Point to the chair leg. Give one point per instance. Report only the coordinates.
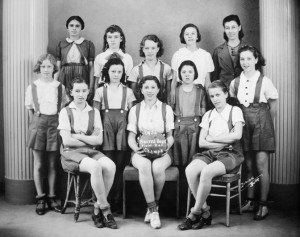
(227, 203)
(70, 182)
(188, 202)
(77, 197)
(240, 196)
(177, 199)
(124, 198)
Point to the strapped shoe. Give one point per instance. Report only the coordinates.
(52, 204)
(262, 213)
(40, 205)
(109, 221)
(148, 216)
(187, 224)
(155, 220)
(98, 221)
(202, 222)
(248, 206)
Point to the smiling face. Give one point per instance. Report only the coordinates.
(187, 74)
(114, 40)
(150, 90)
(218, 97)
(74, 28)
(80, 92)
(46, 69)
(190, 36)
(248, 61)
(232, 30)
(150, 49)
(115, 73)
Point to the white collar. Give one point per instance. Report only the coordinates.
(79, 41)
(86, 108)
(156, 105)
(224, 113)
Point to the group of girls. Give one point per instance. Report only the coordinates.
(187, 89)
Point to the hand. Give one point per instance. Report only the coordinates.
(139, 151)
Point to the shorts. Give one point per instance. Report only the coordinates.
(71, 157)
(43, 133)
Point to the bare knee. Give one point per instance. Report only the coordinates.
(206, 175)
(95, 170)
(158, 171)
(145, 170)
(109, 166)
(191, 171)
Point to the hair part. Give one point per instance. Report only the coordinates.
(113, 29)
(237, 20)
(155, 39)
(181, 36)
(78, 80)
(218, 84)
(41, 59)
(108, 64)
(188, 63)
(77, 18)
(256, 53)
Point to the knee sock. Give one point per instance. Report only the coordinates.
(152, 206)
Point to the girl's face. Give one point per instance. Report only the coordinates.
(232, 30)
(80, 92)
(187, 74)
(114, 40)
(150, 49)
(74, 28)
(248, 61)
(190, 36)
(115, 73)
(218, 97)
(150, 90)
(46, 69)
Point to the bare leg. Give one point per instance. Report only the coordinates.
(108, 172)
(38, 171)
(262, 160)
(52, 171)
(249, 164)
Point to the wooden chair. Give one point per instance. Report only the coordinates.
(132, 174)
(224, 182)
(74, 179)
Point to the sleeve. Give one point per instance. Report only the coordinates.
(205, 123)
(97, 122)
(130, 96)
(174, 62)
(270, 90)
(91, 51)
(168, 72)
(169, 118)
(216, 72)
(58, 52)
(132, 122)
(203, 101)
(99, 95)
(97, 66)
(28, 98)
(232, 91)
(133, 75)
(237, 116)
(209, 63)
(129, 64)
(63, 120)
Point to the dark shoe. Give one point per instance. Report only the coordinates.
(109, 221)
(40, 205)
(262, 213)
(202, 222)
(187, 224)
(52, 204)
(98, 221)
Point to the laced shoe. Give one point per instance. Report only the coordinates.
(154, 220)
(188, 224)
(109, 221)
(40, 205)
(262, 213)
(98, 220)
(52, 204)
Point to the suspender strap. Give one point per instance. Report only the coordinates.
(59, 97)
(141, 74)
(161, 75)
(71, 118)
(209, 118)
(124, 96)
(229, 123)
(105, 97)
(137, 113)
(177, 102)
(164, 112)
(197, 102)
(91, 122)
(258, 89)
(35, 98)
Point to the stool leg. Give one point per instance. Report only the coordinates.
(177, 199)
(124, 198)
(77, 201)
(69, 186)
(188, 202)
(227, 203)
(240, 196)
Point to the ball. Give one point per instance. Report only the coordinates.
(154, 145)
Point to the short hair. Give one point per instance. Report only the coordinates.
(181, 36)
(108, 64)
(113, 29)
(260, 62)
(43, 57)
(237, 20)
(77, 18)
(78, 80)
(143, 81)
(155, 39)
(218, 84)
(187, 63)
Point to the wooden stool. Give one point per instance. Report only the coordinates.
(74, 179)
(132, 174)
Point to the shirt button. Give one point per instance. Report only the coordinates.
(246, 93)
(246, 87)
(245, 100)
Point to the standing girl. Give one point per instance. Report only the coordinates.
(75, 56)
(114, 42)
(224, 56)
(258, 98)
(151, 48)
(114, 100)
(190, 36)
(44, 98)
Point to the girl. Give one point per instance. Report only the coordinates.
(224, 56)
(189, 108)
(151, 48)
(190, 36)
(113, 100)
(44, 98)
(151, 115)
(221, 130)
(81, 131)
(75, 56)
(113, 46)
(258, 98)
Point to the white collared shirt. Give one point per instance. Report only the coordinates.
(219, 121)
(246, 90)
(81, 119)
(114, 98)
(150, 118)
(100, 61)
(74, 54)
